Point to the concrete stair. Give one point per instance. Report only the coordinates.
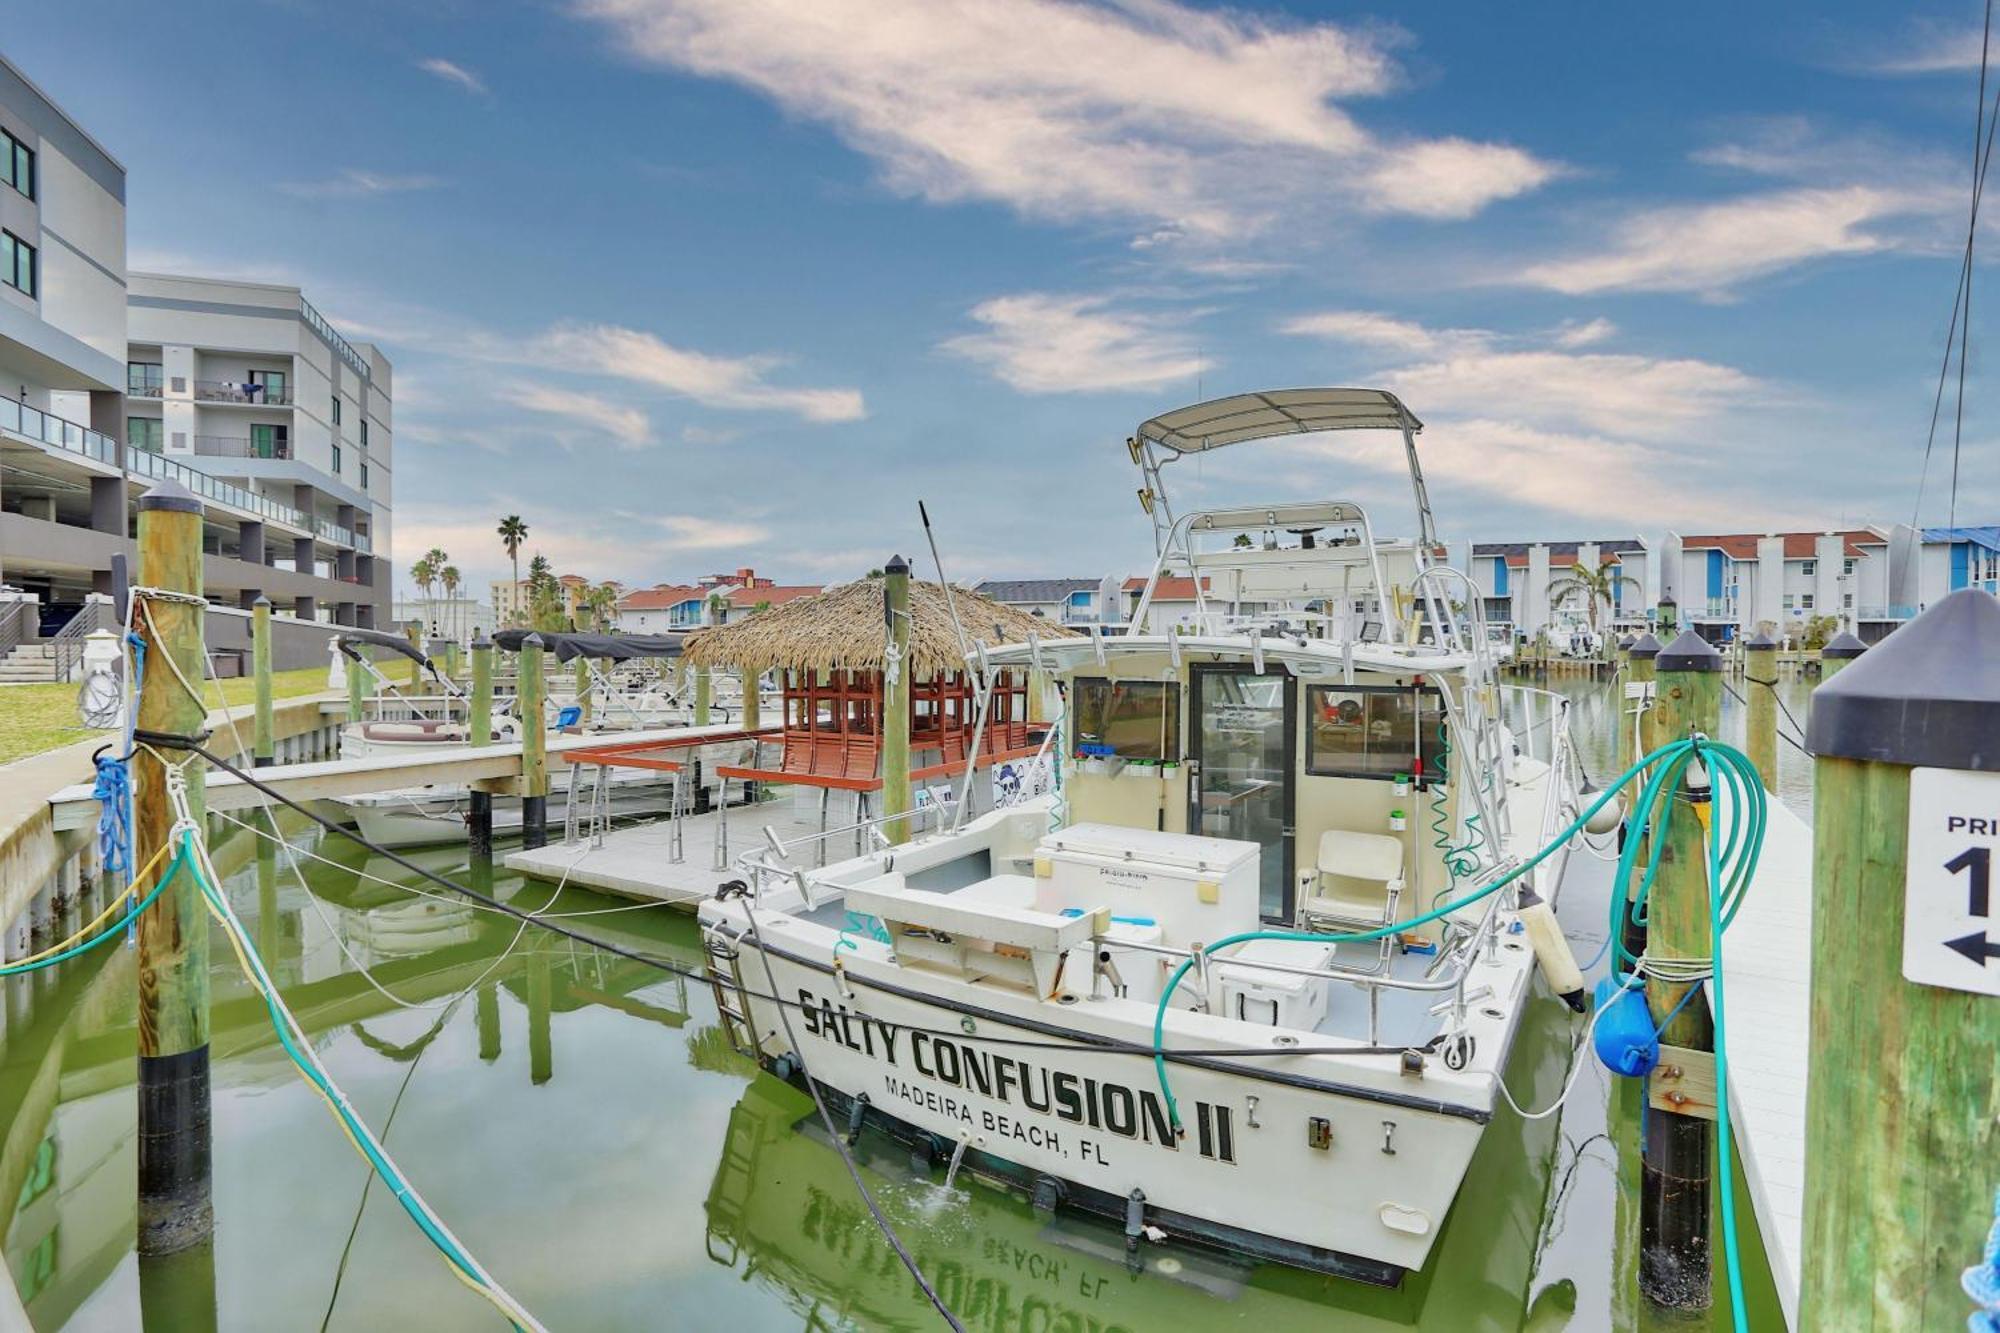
(30, 663)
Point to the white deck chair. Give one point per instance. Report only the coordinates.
(1357, 883)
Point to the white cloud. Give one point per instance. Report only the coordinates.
(1369, 329)
(1041, 343)
(626, 425)
(353, 183)
(1531, 420)
(714, 381)
(691, 532)
(1931, 48)
(1187, 124)
(1588, 334)
(1708, 248)
(454, 73)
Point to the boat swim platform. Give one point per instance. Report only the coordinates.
(1767, 976)
(638, 862)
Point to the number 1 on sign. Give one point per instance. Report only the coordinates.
(1978, 862)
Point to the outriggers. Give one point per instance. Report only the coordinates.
(1235, 980)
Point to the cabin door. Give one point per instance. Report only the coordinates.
(1242, 725)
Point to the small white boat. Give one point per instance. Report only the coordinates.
(1327, 766)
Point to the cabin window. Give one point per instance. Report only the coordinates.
(1373, 731)
(1136, 720)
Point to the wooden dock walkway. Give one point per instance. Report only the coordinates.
(1766, 970)
(637, 862)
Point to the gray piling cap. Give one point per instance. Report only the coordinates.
(1688, 652)
(896, 565)
(170, 495)
(1928, 695)
(1625, 644)
(262, 601)
(1842, 646)
(1760, 642)
(1646, 647)
(532, 641)
(480, 640)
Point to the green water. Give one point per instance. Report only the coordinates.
(581, 1124)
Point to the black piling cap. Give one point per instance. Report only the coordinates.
(896, 565)
(1646, 647)
(170, 495)
(262, 601)
(1625, 644)
(1688, 652)
(1760, 642)
(1926, 696)
(1842, 646)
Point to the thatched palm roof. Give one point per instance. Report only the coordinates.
(842, 629)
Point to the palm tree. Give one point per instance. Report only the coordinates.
(449, 578)
(602, 603)
(1597, 587)
(423, 573)
(513, 532)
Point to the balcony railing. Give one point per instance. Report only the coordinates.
(139, 463)
(152, 390)
(336, 534)
(234, 446)
(1885, 613)
(53, 430)
(234, 391)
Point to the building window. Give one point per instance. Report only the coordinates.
(1805, 601)
(336, 410)
(269, 442)
(1847, 600)
(1847, 565)
(1135, 720)
(143, 433)
(142, 379)
(17, 263)
(17, 164)
(364, 432)
(364, 474)
(336, 460)
(272, 383)
(1790, 601)
(1808, 567)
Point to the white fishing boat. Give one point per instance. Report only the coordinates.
(1252, 811)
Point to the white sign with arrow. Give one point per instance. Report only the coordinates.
(1951, 905)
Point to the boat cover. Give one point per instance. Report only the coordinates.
(349, 639)
(617, 647)
(1255, 416)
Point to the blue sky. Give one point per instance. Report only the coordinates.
(691, 284)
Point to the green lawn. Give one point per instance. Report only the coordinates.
(34, 718)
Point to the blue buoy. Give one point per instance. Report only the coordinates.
(1624, 1037)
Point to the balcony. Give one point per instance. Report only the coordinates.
(152, 390)
(234, 446)
(1878, 613)
(140, 464)
(43, 428)
(249, 395)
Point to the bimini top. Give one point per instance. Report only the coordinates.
(1255, 416)
(617, 647)
(351, 639)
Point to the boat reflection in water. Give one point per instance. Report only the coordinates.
(783, 1211)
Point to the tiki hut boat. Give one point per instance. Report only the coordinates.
(822, 761)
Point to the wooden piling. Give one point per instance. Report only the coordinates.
(1674, 1205)
(580, 679)
(701, 693)
(357, 686)
(534, 746)
(487, 1015)
(479, 732)
(1760, 681)
(414, 632)
(175, 1212)
(753, 703)
(540, 994)
(264, 743)
(896, 795)
(1841, 649)
(1902, 1101)
(1638, 732)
